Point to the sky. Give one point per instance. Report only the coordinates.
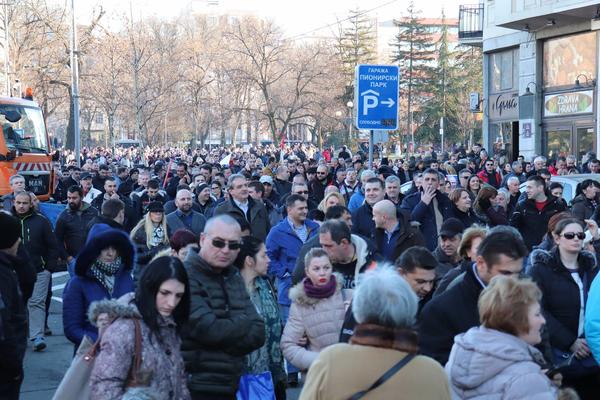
(294, 17)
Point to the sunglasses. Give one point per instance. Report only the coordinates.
(572, 235)
(302, 192)
(321, 173)
(220, 243)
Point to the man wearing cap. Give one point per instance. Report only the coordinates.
(13, 316)
(205, 201)
(270, 193)
(446, 253)
(89, 191)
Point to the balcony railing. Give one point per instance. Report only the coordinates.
(470, 24)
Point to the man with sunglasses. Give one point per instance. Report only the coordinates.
(489, 175)
(455, 311)
(224, 325)
(319, 184)
(531, 216)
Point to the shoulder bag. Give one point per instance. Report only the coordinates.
(387, 375)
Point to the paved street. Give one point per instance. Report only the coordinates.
(44, 370)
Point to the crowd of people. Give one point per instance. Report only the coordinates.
(432, 276)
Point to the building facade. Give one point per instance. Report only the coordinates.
(540, 77)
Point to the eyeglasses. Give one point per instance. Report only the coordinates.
(220, 243)
(573, 235)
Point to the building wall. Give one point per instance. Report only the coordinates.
(539, 129)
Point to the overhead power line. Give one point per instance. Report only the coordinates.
(343, 20)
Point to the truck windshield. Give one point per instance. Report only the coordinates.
(23, 128)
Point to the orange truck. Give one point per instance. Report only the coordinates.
(25, 147)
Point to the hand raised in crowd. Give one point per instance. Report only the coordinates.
(593, 228)
(580, 348)
(427, 195)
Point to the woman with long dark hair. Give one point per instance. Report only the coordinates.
(253, 263)
(161, 306)
(564, 275)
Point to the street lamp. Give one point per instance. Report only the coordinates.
(350, 106)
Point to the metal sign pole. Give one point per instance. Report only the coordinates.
(371, 149)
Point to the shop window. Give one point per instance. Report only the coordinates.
(567, 57)
(502, 137)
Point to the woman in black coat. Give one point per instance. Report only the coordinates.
(564, 275)
(461, 207)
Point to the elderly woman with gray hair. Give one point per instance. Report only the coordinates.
(382, 351)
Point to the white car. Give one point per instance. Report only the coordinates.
(569, 183)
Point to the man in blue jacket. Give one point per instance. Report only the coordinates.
(429, 207)
(283, 245)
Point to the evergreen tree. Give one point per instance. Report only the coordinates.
(442, 91)
(356, 44)
(414, 53)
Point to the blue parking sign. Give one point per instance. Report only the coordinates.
(376, 97)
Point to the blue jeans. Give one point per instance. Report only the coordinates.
(284, 311)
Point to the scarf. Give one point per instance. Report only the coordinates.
(105, 272)
(158, 236)
(404, 340)
(320, 292)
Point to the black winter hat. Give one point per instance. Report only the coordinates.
(155, 206)
(452, 227)
(11, 230)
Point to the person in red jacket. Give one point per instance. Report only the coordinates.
(489, 175)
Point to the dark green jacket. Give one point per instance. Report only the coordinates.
(223, 328)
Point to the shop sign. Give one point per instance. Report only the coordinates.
(569, 103)
(504, 106)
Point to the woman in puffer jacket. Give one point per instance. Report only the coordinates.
(317, 311)
(497, 360)
(161, 304)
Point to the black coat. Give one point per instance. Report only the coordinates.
(71, 229)
(582, 208)
(257, 217)
(13, 321)
(533, 224)
(410, 235)
(467, 218)
(282, 187)
(39, 241)
(130, 214)
(223, 328)
(453, 312)
(362, 221)
(560, 294)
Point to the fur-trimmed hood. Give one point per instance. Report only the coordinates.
(551, 258)
(298, 295)
(114, 308)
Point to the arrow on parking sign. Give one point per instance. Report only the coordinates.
(389, 102)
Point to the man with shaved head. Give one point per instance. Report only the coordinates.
(184, 216)
(224, 325)
(393, 230)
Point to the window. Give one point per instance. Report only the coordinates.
(99, 118)
(504, 71)
(567, 57)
